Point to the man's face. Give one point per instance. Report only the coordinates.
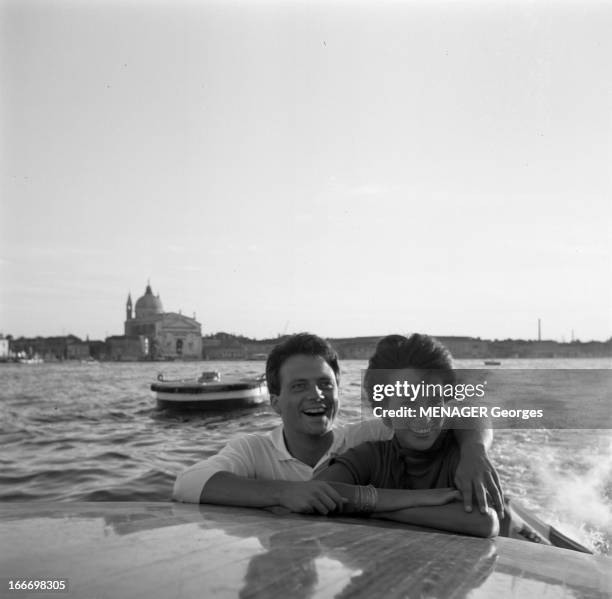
(308, 398)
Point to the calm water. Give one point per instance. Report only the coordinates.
(91, 432)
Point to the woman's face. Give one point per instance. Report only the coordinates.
(420, 429)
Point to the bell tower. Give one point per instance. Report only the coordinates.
(128, 307)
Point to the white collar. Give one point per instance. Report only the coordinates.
(278, 442)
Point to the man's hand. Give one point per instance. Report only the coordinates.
(313, 497)
(476, 477)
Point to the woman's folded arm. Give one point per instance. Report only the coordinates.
(362, 498)
(450, 517)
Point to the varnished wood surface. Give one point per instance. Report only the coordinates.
(150, 550)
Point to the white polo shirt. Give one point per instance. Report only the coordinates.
(266, 456)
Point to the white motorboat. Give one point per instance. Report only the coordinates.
(209, 392)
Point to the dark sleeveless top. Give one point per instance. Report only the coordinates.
(386, 465)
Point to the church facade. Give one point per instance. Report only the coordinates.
(155, 334)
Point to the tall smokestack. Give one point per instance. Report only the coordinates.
(539, 329)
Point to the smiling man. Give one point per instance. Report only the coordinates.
(276, 468)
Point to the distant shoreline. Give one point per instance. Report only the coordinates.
(223, 346)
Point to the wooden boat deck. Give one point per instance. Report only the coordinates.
(166, 550)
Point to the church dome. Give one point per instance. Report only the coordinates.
(148, 305)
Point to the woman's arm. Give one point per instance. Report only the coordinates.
(450, 517)
(384, 500)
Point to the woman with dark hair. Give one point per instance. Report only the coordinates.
(417, 351)
(421, 455)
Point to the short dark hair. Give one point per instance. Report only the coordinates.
(421, 352)
(299, 344)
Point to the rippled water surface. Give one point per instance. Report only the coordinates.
(74, 431)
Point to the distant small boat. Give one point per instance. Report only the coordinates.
(209, 392)
(34, 360)
(492, 363)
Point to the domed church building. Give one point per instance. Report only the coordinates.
(163, 335)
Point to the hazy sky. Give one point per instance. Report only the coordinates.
(343, 168)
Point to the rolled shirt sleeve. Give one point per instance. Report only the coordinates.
(236, 457)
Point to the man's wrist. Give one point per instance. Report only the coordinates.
(279, 488)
